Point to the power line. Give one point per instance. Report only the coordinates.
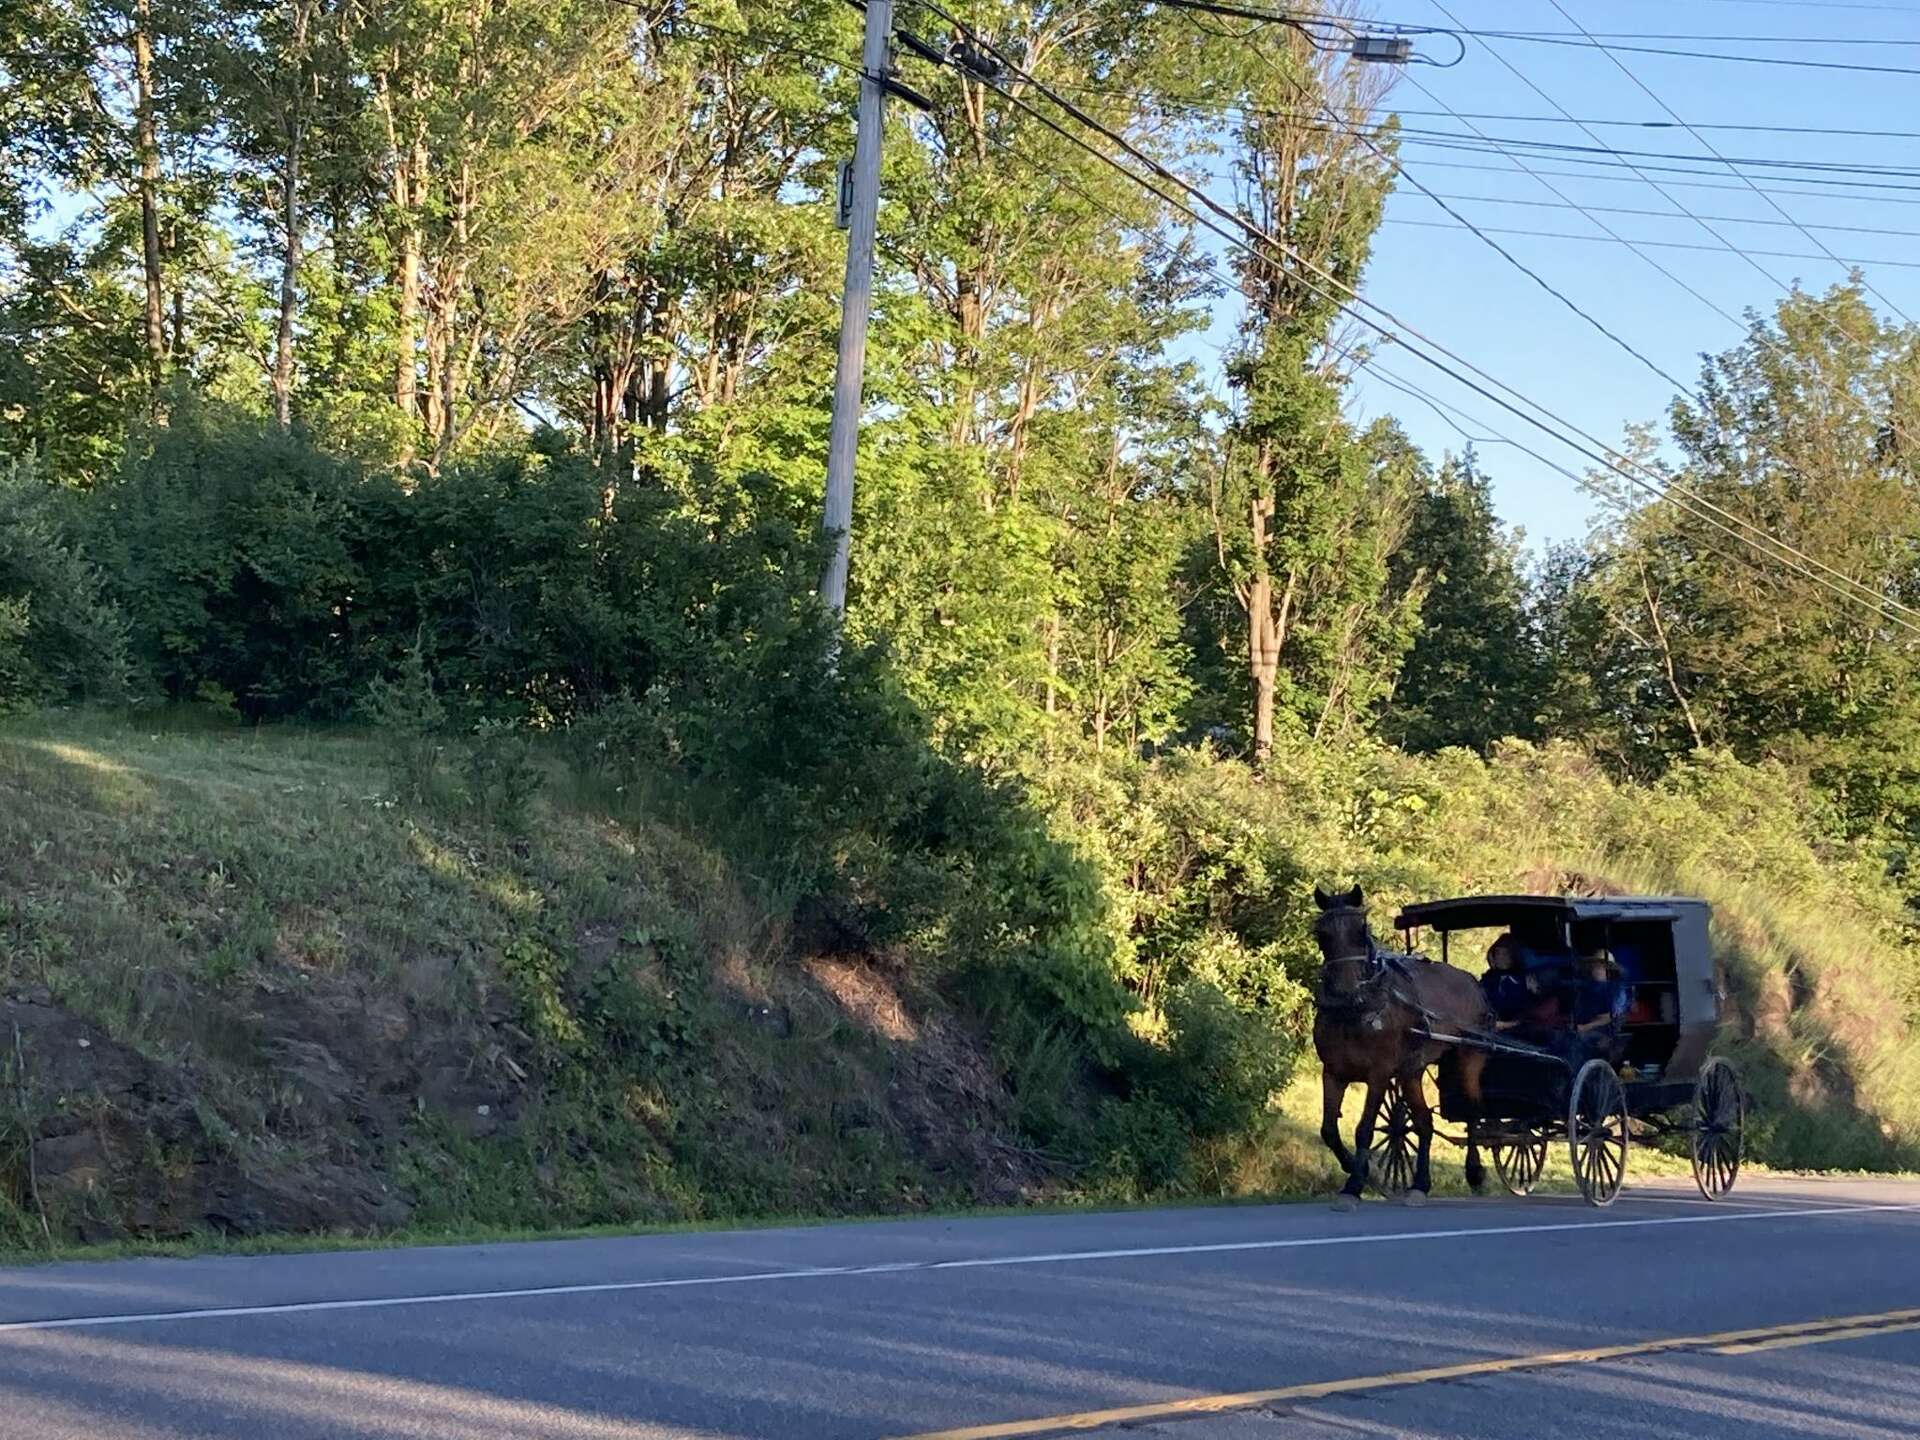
(1556, 149)
(1636, 177)
(1778, 208)
(1657, 244)
(1817, 5)
(1611, 234)
(1657, 187)
(1600, 224)
(1611, 159)
(1659, 488)
(1785, 553)
(1173, 99)
(1669, 215)
(1877, 42)
(1608, 332)
(1517, 263)
(1666, 124)
(1447, 411)
(1699, 54)
(1753, 332)
(1307, 25)
(1477, 141)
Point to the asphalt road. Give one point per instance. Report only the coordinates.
(1002, 1327)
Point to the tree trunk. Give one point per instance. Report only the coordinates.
(409, 194)
(970, 317)
(293, 124)
(1263, 665)
(289, 276)
(1666, 657)
(146, 142)
(1263, 633)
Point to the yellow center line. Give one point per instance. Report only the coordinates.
(1727, 1342)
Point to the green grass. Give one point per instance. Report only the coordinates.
(220, 902)
(306, 987)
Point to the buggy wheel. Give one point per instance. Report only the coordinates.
(1597, 1132)
(1519, 1163)
(1398, 1148)
(1719, 1125)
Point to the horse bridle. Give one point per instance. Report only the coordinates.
(1364, 995)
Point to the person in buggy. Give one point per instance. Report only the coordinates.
(1505, 983)
(1598, 1003)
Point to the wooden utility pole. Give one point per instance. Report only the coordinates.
(849, 377)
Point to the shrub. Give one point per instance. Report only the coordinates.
(411, 722)
(1222, 1064)
(229, 546)
(60, 638)
(502, 779)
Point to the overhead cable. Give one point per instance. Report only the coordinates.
(1554, 426)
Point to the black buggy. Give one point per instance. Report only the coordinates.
(1657, 1080)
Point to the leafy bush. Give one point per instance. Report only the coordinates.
(411, 723)
(60, 639)
(502, 779)
(230, 546)
(1222, 1064)
(532, 587)
(1142, 1147)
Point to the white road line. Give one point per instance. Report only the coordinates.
(987, 1262)
(1776, 1205)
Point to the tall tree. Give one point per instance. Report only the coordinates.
(1474, 673)
(1805, 430)
(1304, 521)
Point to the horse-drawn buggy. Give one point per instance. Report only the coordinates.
(1592, 1026)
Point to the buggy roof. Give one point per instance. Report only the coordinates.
(1482, 912)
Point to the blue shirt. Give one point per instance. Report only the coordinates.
(1597, 998)
(1506, 992)
(1627, 957)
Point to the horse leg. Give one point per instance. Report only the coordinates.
(1332, 1091)
(1414, 1088)
(1472, 1064)
(1363, 1139)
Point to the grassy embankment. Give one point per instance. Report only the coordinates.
(250, 997)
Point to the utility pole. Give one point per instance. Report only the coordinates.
(849, 377)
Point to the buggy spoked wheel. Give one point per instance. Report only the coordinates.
(1519, 1163)
(1597, 1132)
(1719, 1125)
(1398, 1148)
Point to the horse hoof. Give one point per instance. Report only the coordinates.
(1346, 1204)
(1415, 1199)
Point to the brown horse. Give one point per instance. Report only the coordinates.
(1368, 1005)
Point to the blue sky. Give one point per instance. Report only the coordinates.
(1452, 286)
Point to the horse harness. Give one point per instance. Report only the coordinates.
(1364, 1003)
(1370, 994)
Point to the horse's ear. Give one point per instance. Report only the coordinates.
(1322, 899)
(1352, 897)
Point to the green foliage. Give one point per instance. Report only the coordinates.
(501, 776)
(60, 639)
(1692, 641)
(1074, 571)
(1144, 1148)
(411, 722)
(538, 975)
(1223, 1064)
(229, 545)
(1475, 673)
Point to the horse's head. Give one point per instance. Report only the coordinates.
(1350, 962)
